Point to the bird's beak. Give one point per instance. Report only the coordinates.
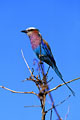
(24, 31)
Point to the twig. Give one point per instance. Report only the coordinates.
(13, 91)
(50, 80)
(26, 63)
(33, 106)
(47, 70)
(63, 101)
(61, 85)
(29, 79)
(28, 66)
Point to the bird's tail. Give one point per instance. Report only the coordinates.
(60, 76)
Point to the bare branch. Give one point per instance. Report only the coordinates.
(13, 91)
(63, 101)
(33, 106)
(26, 63)
(28, 66)
(50, 80)
(61, 85)
(47, 70)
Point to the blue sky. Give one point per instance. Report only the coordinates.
(59, 23)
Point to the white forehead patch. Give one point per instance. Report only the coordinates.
(31, 28)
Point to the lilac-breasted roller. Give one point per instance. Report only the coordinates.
(43, 51)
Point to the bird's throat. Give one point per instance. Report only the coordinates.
(35, 40)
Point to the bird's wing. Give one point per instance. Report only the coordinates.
(47, 49)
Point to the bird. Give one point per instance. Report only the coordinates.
(43, 51)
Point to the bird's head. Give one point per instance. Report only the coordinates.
(29, 31)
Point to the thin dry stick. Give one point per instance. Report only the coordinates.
(61, 85)
(13, 91)
(28, 66)
(47, 70)
(50, 80)
(30, 79)
(63, 101)
(33, 106)
(26, 63)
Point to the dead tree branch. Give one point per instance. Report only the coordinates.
(13, 91)
(62, 85)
